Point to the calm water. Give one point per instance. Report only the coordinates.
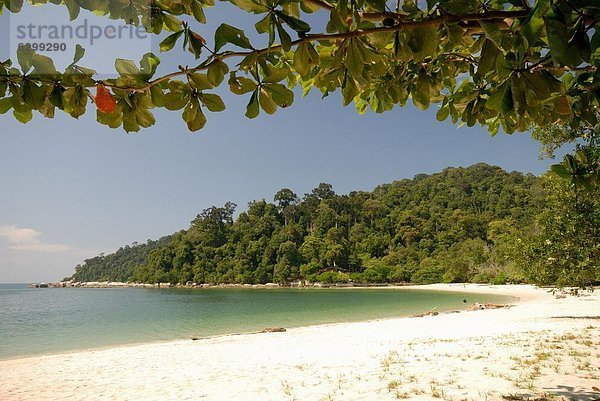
(40, 321)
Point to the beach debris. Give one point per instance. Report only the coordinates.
(430, 313)
(478, 306)
(195, 338)
(274, 330)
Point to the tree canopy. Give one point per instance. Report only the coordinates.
(509, 65)
(449, 226)
(479, 224)
(117, 266)
(501, 64)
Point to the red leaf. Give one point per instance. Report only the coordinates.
(105, 101)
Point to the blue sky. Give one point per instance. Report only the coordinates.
(73, 188)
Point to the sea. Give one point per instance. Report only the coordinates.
(40, 321)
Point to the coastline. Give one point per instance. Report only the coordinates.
(295, 284)
(380, 359)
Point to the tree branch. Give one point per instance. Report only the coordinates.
(399, 26)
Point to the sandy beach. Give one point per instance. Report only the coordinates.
(543, 346)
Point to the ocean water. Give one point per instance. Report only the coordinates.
(45, 321)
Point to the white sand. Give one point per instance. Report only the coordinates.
(480, 355)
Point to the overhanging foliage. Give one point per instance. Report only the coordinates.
(507, 65)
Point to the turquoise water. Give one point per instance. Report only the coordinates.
(45, 321)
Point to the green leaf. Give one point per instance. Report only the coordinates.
(5, 105)
(293, 22)
(193, 116)
(534, 26)
(25, 55)
(253, 6)
(74, 8)
(130, 122)
(216, 72)
(112, 120)
(349, 91)
(561, 171)
(354, 61)
(264, 24)
(252, 109)
(201, 81)
(198, 12)
(178, 96)
(274, 75)
(284, 37)
(32, 94)
(43, 65)
(171, 22)
(266, 102)
(305, 58)
(487, 58)
(212, 102)
(421, 92)
(169, 42)
(424, 42)
(281, 95)
(309, 7)
(507, 102)
(149, 63)
(492, 32)
(14, 6)
(56, 98)
(442, 113)
(23, 116)
(126, 67)
(157, 95)
(558, 39)
(501, 100)
(79, 53)
(229, 34)
(75, 100)
(241, 85)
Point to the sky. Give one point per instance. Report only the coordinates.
(70, 189)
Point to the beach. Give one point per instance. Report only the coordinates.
(542, 345)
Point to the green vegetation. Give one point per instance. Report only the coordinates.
(117, 266)
(564, 248)
(509, 65)
(477, 224)
(429, 229)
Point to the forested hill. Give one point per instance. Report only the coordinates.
(450, 226)
(118, 266)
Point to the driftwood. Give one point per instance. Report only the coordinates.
(274, 330)
(478, 306)
(430, 313)
(266, 330)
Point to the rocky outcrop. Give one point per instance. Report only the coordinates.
(430, 313)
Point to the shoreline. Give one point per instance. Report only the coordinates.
(476, 289)
(120, 284)
(340, 348)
